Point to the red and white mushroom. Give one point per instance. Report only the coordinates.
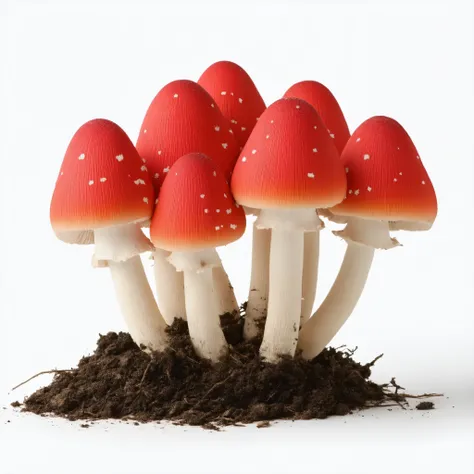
(322, 99)
(386, 183)
(287, 175)
(183, 118)
(240, 101)
(102, 194)
(195, 214)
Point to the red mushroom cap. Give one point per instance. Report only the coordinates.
(236, 95)
(322, 99)
(102, 182)
(183, 118)
(196, 209)
(289, 161)
(386, 179)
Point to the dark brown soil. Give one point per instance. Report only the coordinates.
(425, 406)
(120, 381)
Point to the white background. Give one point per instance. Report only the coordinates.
(63, 63)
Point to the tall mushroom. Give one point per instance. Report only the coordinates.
(194, 214)
(322, 99)
(239, 100)
(288, 167)
(388, 187)
(101, 194)
(183, 118)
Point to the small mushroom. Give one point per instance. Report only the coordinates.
(388, 187)
(182, 119)
(322, 99)
(187, 224)
(101, 196)
(287, 180)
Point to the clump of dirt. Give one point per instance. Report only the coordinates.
(425, 406)
(120, 381)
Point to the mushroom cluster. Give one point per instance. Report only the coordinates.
(209, 153)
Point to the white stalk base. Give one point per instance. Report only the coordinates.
(310, 274)
(362, 237)
(119, 243)
(169, 287)
(258, 293)
(226, 300)
(203, 314)
(137, 304)
(284, 302)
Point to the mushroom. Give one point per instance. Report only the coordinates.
(321, 98)
(239, 100)
(183, 118)
(287, 177)
(190, 220)
(101, 195)
(388, 188)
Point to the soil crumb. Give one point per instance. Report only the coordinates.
(120, 381)
(425, 406)
(15, 404)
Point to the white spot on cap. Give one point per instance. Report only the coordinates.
(347, 170)
(218, 210)
(369, 188)
(243, 129)
(398, 148)
(228, 211)
(423, 182)
(156, 201)
(233, 121)
(233, 226)
(202, 196)
(241, 100)
(400, 173)
(395, 180)
(350, 191)
(254, 151)
(298, 106)
(331, 135)
(417, 157)
(143, 159)
(91, 182)
(225, 195)
(356, 192)
(315, 127)
(223, 93)
(176, 96)
(144, 131)
(272, 121)
(315, 150)
(206, 211)
(159, 152)
(62, 172)
(119, 157)
(224, 145)
(366, 157)
(217, 128)
(165, 170)
(217, 227)
(267, 137)
(103, 180)
(81, 156)
(237, 205)
(231, 93)
(212, 105)
(358, 140)
(139, 181)
(310, 175)
(145, 200)
(257, 118)
(230, 130)
(144, 168)
(157, 175)
(214, 173)
(244, 159)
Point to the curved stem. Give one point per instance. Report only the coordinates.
(226, 300)
(310, 274)
(258, 293)
(203, 314)
(169, 287)
(137, 303)
(340, 301)
(284, 300)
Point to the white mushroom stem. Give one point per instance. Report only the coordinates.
(362, 237)
(202, 308)
(118, 247)
(258, 293)
(310, 274)
(137, 303)
(226, 300)
(169, 287)
(286, 276)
